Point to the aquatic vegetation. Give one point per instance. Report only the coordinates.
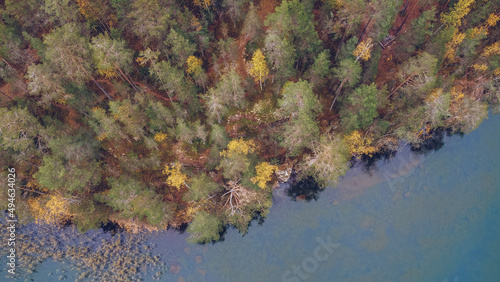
(95, 255)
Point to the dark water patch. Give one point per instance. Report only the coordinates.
(433, 143)
(369, 163)
(112, 228)
(305, 189)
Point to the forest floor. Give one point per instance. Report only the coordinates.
(389, 59)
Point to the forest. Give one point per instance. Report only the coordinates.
(156, 114)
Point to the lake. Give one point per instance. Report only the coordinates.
(414, 217)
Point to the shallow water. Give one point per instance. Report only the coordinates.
(411, 218)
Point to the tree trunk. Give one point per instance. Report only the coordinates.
(338, 92)
(102, 89)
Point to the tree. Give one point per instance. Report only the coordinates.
(228, 92)
(329, 160)
(467, 113)
(61, 11)
(218, 136)
(361, 108)
(205, 228)
(235, 9)
(350, 71)
(160, 137)
(301, 104)
(238, 146)
(98, 11)
(364, 49)
(264, 172)
(179, 48)
(421, 71)
(437, 106)
(11, 44)
(492, 20)
(20, 131)
(493, 49)
(235, 160)
(252, 26)
(30, 14)
(320, 69)
(150, 21)
(460, 10)
(359, 145)
(194, 68)
(133, 199)
(215, 105)
(131, 117)
(105, 126)
(259, 68)
(44, 82)
(423, 26)
(349, 15)
(68, 53)
(453, 44)
(51, 209)
(72, 165)
(193, 65)
(111, 57)
(299, 134)
(58, 173)
(175, 177)
(203, 3)
(160, 117)
(294, 20)
(172, 80)
(231, 90)
(200, 187)
(281, 54)
(298, 98)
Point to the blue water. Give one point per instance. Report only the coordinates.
(438, 221)
(411, 218)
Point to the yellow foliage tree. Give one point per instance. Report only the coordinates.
(175, 177)
(452, 45)
(359, 145)
(193, 65)
(108, 73)
(460, 10)
(492, 20)
(264, 172)
(480, 68)
(51, 209)
(457, 97)
(160, 137)
(493, 49)
(87, 9)
(478, 32)
(434, 94)
(203, 3)
(259, 69)
(364, 50)
(238, 146)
